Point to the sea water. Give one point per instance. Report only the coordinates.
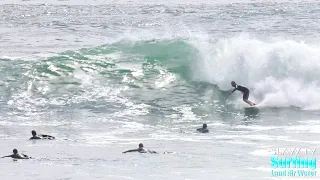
(104, 76)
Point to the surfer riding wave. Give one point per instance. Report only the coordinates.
(244, 90)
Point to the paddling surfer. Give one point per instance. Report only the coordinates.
(41, 136)
(140, 150)
(203, 129)
(15, 155)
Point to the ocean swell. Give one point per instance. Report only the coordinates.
(279, 74)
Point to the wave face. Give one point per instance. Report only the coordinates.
(282, 73)
(94, 76)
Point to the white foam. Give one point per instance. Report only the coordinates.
(253, 137)
(262, 152)
(186, 114)
(278, 74)
(165, 78)
(256, 127)
(305, 128)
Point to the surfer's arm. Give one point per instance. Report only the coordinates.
(151, 151)
(6, 156)
(132, 150)
(25, 156)
(233, 91)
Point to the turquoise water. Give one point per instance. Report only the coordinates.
(104, 77)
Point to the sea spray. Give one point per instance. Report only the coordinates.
(278, 74)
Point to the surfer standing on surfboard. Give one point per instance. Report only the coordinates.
(244, 90)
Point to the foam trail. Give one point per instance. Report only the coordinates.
(279, 74)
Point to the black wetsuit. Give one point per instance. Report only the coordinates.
(43, 137)
(203, 130)
(18, 156)
(140, 150)
(244, 90)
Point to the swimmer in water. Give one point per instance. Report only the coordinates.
(244, 90)
(34, 136)
(15, 155)
(203, 129)
(140, 150)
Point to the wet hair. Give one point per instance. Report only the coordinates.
(204, 126)
(140, 145)
(33, 132)
(15, 151)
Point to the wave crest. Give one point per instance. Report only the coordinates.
(279, 74)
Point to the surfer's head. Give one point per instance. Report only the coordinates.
(204, 126)
(15, 151)
(34, 133)
(140, 145)
(233, 83)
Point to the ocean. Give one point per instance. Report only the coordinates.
(104, 76)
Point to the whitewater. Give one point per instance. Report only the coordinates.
(103, 77)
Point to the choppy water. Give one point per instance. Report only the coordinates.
(104, 76)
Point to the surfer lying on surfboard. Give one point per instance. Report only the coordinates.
(140, 150)
(244, 90)
(15, 155)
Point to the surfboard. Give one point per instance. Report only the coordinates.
(252, 107)
(251, 111)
